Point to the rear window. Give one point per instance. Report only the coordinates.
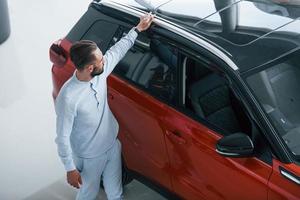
(95, 26)
(101, 33)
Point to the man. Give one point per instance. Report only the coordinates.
(86, 128)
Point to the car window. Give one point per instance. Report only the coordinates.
(277, 87)
(101, 36)
(208, 96)
(151, 64)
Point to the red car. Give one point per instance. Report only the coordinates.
(208, 99)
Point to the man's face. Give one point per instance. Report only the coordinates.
(98, 63)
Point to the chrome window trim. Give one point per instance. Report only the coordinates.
(138, 13)
(227, 154)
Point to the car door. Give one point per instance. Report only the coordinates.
(139, 118)
(198, 171)
(135, 93)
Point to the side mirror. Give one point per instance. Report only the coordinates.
(235, 145)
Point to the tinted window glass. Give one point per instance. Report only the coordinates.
(208, 95)
(101, 32)
(151, 64)
(277, 89)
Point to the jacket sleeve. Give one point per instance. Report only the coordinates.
(64, 123)
(118, 51)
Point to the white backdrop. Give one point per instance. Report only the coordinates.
(28, 158)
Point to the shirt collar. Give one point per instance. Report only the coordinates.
(93, 80)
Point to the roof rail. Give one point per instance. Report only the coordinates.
(174, 28)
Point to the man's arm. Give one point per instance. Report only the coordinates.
(118, 51)
(64, 123)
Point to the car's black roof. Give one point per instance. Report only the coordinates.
(251, 33)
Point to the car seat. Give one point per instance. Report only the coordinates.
(212, 100)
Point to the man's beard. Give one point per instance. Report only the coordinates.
(96, 73)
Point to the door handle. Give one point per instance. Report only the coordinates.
(289, 175)
(176, 137)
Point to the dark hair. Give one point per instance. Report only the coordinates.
(81, 53)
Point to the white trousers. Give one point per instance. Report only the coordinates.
(108, 166)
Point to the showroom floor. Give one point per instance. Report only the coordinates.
(30, 168)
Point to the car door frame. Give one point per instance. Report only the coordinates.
(115, 81)
(232, 73)
(244, 95)
(238, 85)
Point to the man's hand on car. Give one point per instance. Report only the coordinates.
(145, 22)
(74, 178)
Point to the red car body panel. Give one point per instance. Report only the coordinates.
(282, 188)
(142, 135)
(199, 172)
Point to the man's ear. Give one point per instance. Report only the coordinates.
(90, 68)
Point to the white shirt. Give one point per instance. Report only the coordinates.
(85, 125)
